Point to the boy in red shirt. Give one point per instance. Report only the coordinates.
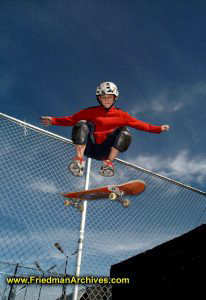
(101, 132)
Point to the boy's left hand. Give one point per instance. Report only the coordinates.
(165, 128)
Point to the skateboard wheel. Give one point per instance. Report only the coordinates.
(66, 202)
(112, 196)
(126, 203)
(80, 207)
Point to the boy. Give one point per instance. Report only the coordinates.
(101, 132)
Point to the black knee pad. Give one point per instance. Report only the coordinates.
(81, 131)
(123, 139)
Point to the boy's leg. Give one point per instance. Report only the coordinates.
(121, 141)
(80, 150)
(113, 154)
(80, 136)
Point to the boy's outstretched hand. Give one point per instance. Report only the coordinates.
(165, 128)
(46, 120)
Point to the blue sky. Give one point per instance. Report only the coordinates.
(55, 53)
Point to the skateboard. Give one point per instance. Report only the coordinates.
(111, 192)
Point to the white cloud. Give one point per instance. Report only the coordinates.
(183, 166)
(156, 105)
(159, 103)
(97, 178)
(191, 169)
(96, 242)
(44, 186)
(177, 107)
(192, 92)
(164, 102)
(112, 247)
(5, 149)
(172, 100)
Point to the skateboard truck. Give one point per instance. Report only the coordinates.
(75, 203)
(117, 195)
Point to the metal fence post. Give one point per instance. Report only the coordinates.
(11, 292)
(81, 234)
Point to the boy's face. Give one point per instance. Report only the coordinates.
(107, 100)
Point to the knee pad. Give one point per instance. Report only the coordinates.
(123, 139)
(80, 132)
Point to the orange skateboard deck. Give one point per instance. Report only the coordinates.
(112, 192)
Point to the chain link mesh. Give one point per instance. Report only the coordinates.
(33, 218)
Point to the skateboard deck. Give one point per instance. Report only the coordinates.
(112, 192)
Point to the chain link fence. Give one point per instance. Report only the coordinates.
(33, 218)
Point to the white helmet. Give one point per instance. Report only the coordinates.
(107, 88)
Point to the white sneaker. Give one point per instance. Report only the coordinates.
(76, 167)
(107, 169)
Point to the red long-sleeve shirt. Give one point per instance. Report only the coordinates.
(105, 121)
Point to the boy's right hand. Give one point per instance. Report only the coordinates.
(46, 120)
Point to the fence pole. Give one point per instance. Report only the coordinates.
(11, 292)
(81, 234)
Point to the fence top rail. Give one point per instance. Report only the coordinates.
(161, 176)
(63, 139)
(27, 125)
